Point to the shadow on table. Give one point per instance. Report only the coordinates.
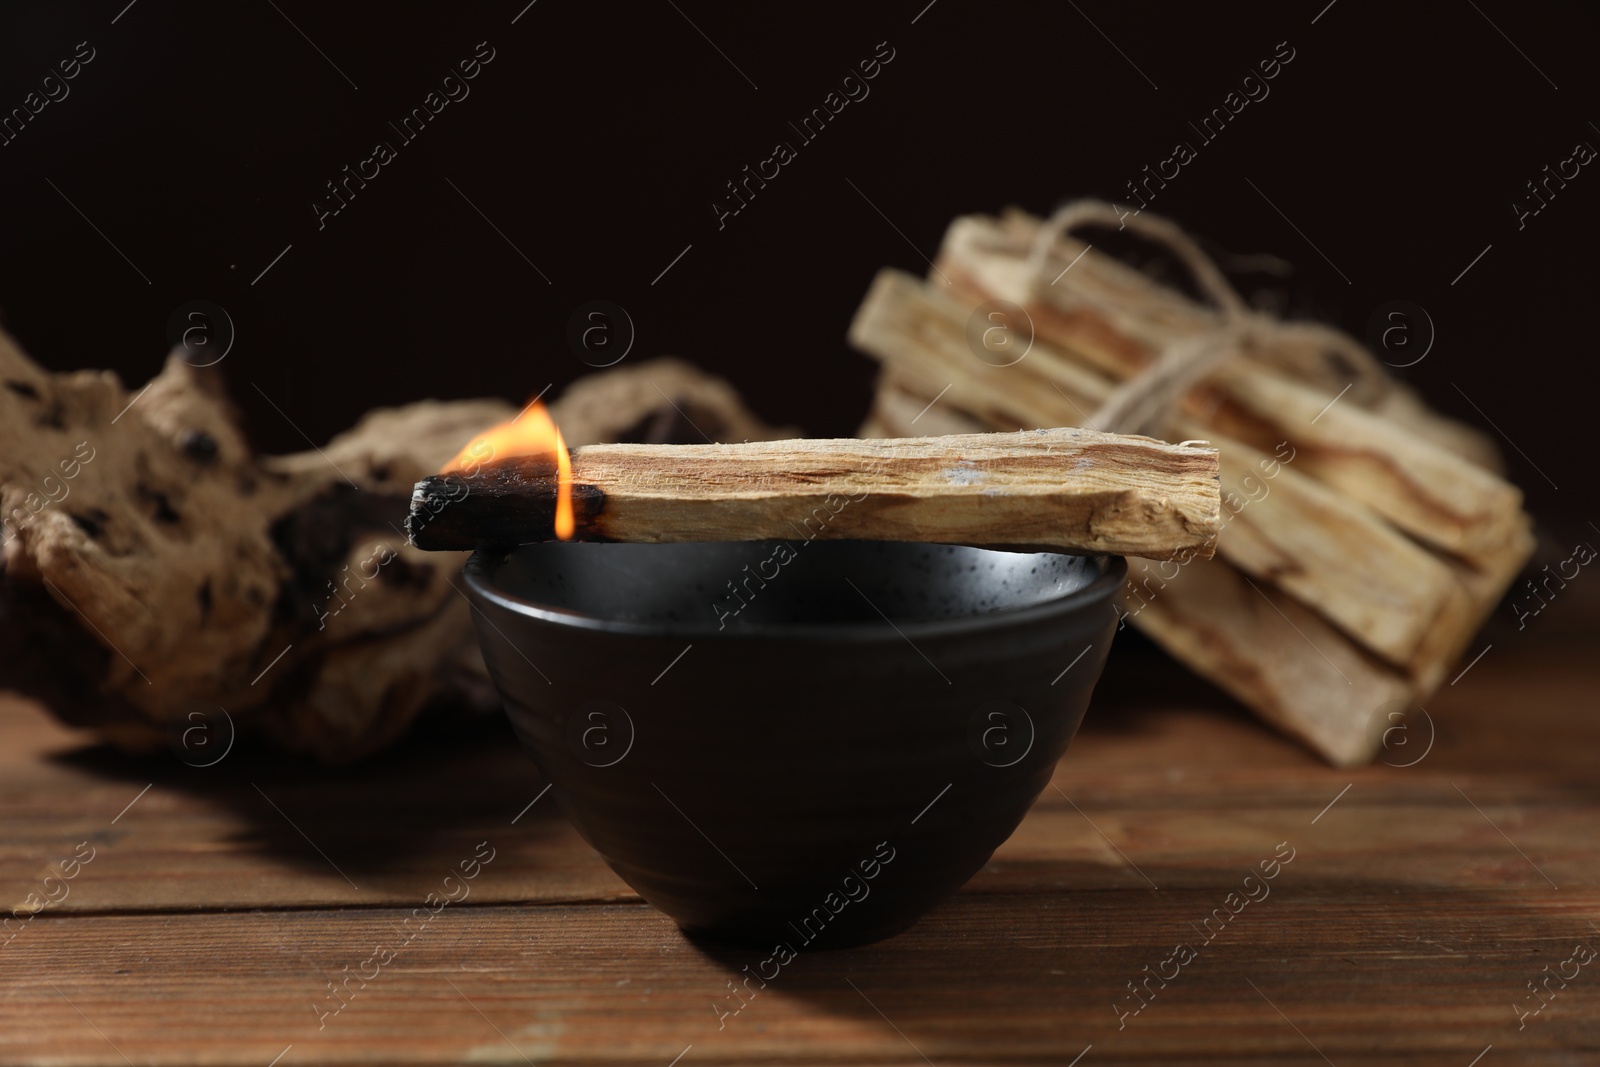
(457, 771)
(961, 979)
(451, 779)
(452, 776)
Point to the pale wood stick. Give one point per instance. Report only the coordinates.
(1423, 489)
(1482, 583)
(1064, 489)
(1330, 552)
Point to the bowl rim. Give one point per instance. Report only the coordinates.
(1112, 571)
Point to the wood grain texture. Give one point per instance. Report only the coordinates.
(1422, 488)
(206, 928)
(1066, 489)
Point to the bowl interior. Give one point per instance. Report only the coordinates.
(761, 585)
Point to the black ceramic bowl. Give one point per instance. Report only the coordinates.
(807, 743)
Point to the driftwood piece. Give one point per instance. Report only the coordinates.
(167, 571)
(661, 401)
(156, 569)
(1064, 489)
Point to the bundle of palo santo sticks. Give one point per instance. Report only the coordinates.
(1365, 538)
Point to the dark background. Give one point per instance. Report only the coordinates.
(198, 137)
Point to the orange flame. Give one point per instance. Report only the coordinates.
(532, 433)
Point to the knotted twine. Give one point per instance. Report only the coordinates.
(1144, 403)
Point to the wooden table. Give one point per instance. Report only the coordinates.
(220, 904)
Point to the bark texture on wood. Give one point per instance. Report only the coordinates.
(181, 573)
(154, 567)
(661, 401)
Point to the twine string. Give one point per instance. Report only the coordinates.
(1145, 402)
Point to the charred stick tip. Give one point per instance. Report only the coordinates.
(508, 504)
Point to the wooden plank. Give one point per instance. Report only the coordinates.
(1402, 931)
(230, 835)
(193, 843)
(617, 984)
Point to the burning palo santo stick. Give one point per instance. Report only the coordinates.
(1066, 490)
